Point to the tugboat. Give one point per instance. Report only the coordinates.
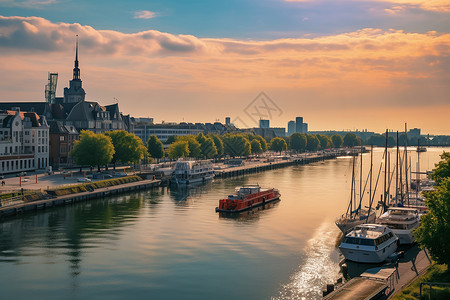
(247, 197)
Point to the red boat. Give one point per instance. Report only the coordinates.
(247, 197)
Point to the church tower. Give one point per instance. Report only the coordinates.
(75, 93)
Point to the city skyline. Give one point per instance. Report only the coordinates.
(375, 66)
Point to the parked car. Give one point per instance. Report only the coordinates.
(21, 174)
(82, 179)
(120, 174)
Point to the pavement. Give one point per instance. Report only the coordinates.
(43, 181)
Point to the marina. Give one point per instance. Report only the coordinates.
(177, 237)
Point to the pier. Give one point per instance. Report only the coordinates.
(385, 281)
(299, 159)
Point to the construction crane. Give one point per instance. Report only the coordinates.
(50, 88)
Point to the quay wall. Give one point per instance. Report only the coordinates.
(20, 208)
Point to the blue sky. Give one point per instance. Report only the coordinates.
(243, 19)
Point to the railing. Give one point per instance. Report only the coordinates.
(431, 284)
(11, 201)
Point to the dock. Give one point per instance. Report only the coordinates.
(383, 282)
(280, 163)
(19, 208)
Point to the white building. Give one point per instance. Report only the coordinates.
(24, 142)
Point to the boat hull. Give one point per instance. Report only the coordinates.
(191, 181)
(368, 255)
(345, 225)
(405, 237)
(248, 207)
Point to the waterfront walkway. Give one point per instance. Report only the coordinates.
(20, 207)
(373, 286)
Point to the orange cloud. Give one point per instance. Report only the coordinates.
(431, 5)
(154, 71)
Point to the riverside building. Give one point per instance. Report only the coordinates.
(24, 142)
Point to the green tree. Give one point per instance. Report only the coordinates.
(350, 140)
(92, 149)
(298, 142)
(236, 145)
(442, 170)
(377, 140)
(155, 147)
(278, 144)
(178, 149)
(337, 140)
(200, 138)
(171, 139)
(325, 141)
(312, 142)
(194, 146)
(208, 148)
(256, 147)
(128, 147)
(218, 143)
(434, 229)
(262, 141)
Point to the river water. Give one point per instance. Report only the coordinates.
(170, 244)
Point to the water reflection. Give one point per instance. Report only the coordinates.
(250, 215)
(318, 268)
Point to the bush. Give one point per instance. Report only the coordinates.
(75, 189)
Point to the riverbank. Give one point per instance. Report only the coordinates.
(19, 208)
(435, 273)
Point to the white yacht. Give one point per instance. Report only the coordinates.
(369, 243)
(402, 221)
(186, 172)
(347, 221)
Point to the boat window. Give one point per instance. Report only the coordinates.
(351, 240)
(367, 242)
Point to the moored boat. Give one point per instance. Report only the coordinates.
(187, 172)
(402, 221)
(348, 221)
(369, 243)
(247, 197)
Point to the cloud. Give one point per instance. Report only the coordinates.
(27, 3)
(441, 6)
(144, 14)
(368, 68)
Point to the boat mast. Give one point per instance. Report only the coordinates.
(418, 169)
(353, 186)
(371, 166)
(389, 174)
(396, 173)
(385, 169)
(360, 180)
(406, 165)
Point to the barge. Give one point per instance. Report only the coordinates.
(247, 197)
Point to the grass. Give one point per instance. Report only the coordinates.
(435, 273)
(74, 189)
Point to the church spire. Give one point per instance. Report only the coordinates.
(76, 70)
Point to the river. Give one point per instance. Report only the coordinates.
(170, 243)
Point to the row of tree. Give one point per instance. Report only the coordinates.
(114, 147)
(122, 147)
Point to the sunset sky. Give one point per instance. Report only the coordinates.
(348, 64)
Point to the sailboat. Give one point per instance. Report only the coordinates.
(355, 214)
